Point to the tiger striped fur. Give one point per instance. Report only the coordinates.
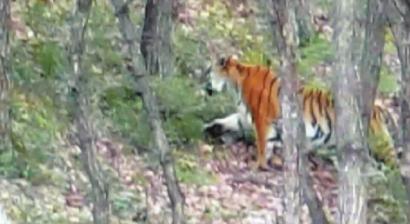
(260, 87)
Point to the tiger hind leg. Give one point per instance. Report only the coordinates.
(261, 131)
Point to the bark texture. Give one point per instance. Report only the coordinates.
(314, 204)
(372, 58)
(349, 139)
(85, 131)
(316, 211)
(303, 20)
(139, 72)
(4, 74)
(156, 37)
(398, 13)
(287, 41)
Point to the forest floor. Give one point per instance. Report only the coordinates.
(225, 190)
(217, 183)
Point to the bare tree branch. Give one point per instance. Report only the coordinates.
(85, 132)
(4, 74)
(139, 71)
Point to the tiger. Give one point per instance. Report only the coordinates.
(259, 108)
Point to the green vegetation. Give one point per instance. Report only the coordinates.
(189, 170)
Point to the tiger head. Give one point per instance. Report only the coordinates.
(226, 72)
(230, 69)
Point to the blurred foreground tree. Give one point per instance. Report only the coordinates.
(4, 74)
(139, 72)
(286, 41)
(398, 13)
(371, 59)
(276, 15)
(348, 132)
(85, 131)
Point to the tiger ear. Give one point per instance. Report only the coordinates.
(234, 57)
(223, 61)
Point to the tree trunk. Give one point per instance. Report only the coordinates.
(4, 74)
(83, 124)
(352, 192)
(156, 37)
(287, 41)
(371, 60)
(139, 72)
(149, 36)
(310, 197)
(305, 29)
(398, 13)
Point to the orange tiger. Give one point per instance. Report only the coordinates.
(260, 88)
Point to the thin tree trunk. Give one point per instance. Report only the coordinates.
(352, 191)
(85, 132)
(371, 60)
(149, 36)
(4, 74)
(139, 72)
(156, 37)
(398, 13)
(305, 33)
(315, 206)
(166, 59)
(303, 20)
(287, 41)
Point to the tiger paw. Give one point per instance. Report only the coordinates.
(260, 166)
